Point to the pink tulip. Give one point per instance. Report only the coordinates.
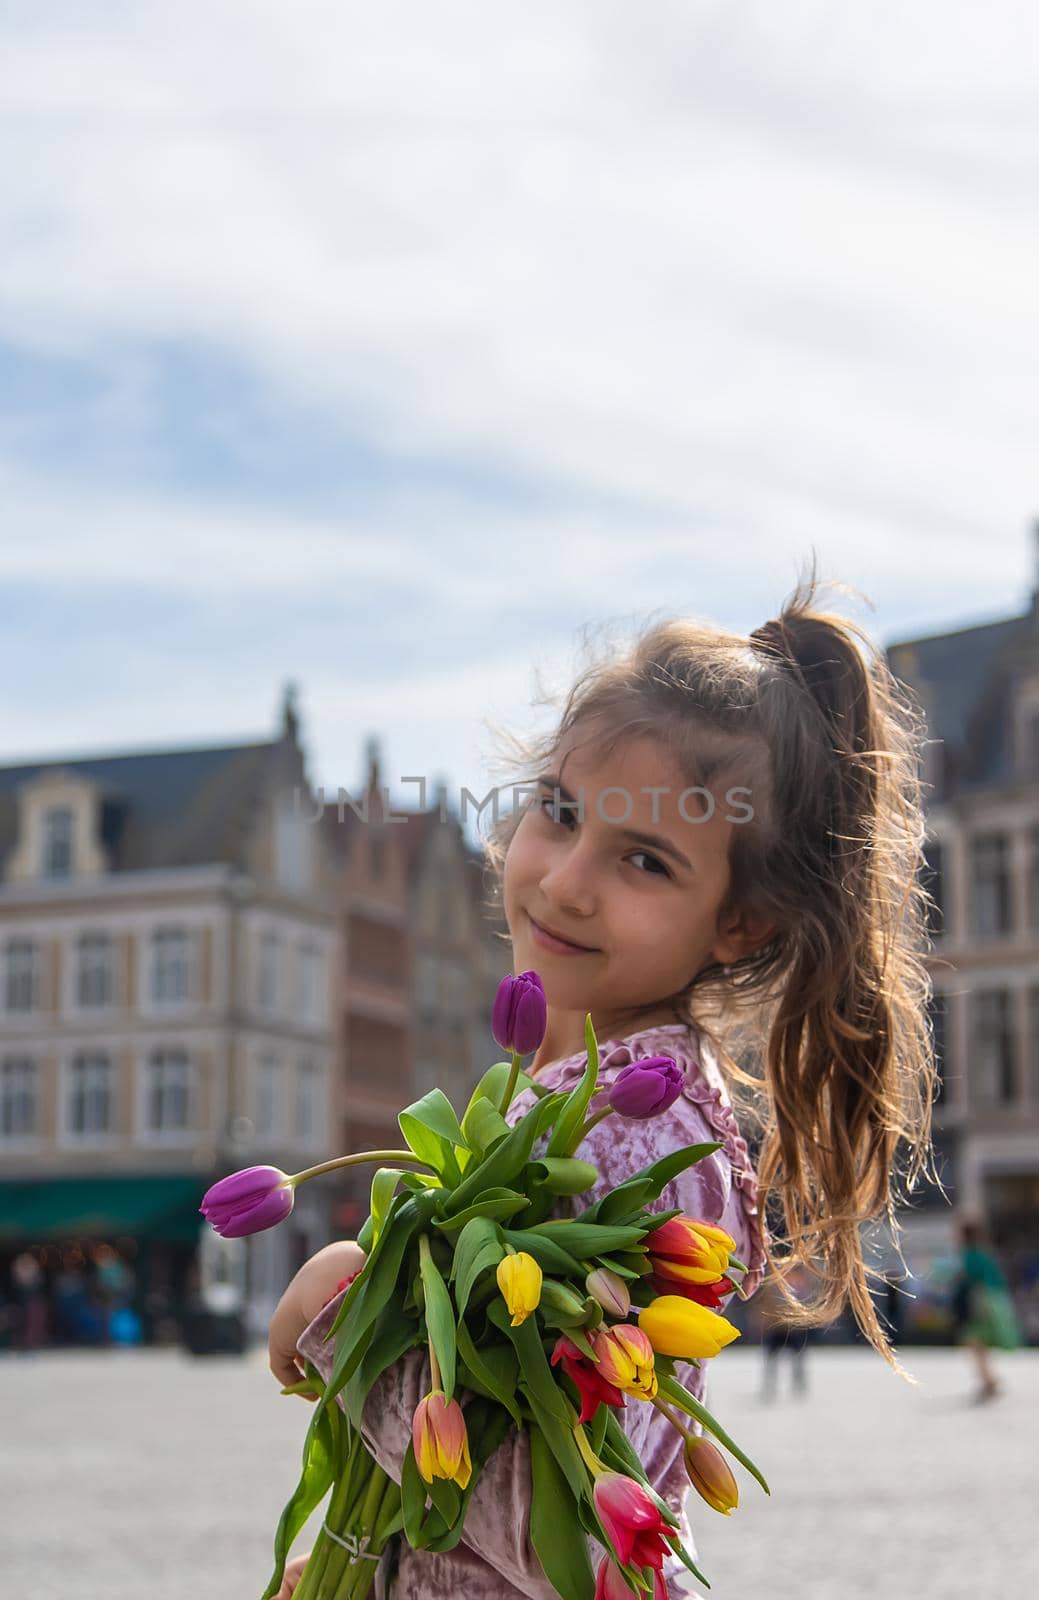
(611, 1584)
(632, 1521)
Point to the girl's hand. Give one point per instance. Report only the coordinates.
(313, 1286)
(291, 1576)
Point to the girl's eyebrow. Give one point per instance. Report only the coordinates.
(653, 841)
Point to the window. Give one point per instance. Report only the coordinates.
(932, 879)
(270, 962)
(377, 856)
(17, 1098)
(455, 977)
(268, 1096)
(1033, 880)
(95, 976)
(57, 842)
(990, 862)
(21, 975)
(90, 1095)
(308, 974)
(168, 1099)
(170, 976)
(993, 1063)
(308, 1078)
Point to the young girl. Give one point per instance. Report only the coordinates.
(726, 841)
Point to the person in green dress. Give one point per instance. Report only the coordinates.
(986, 1316)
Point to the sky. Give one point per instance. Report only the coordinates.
(387, 350)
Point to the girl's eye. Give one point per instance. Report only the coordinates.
(566, 818)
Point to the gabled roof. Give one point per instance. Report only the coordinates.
(161, 808)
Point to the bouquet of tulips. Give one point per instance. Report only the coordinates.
(531, 1320)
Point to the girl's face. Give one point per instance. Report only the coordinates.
(644, 907)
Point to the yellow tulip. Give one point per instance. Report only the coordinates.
(519, 1279)
(684, 1329)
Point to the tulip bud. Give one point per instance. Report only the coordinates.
(248, 1201)
(610, 1290)
(440, 1441)
(632, 1520)
(519, 1279)
(520, 1013)
(646, 1088)
(710, 1475)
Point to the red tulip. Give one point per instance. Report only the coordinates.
(591, 1385)
(684, 1250)
(705, 1294)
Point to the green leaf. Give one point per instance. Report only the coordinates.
(394, 1334)
(564, 1174)
(483, 1124)
(435, 1111)
(647, 1184)
(440, 1317)
(492, 1085)
(319, 1462)
(412, 1498)
(507, 1160)
(555, 1528)
(400, 1205)
(670, 1389)
(478, 1247)
(432, 1130)
(498, 1204)
(583, 1239)
(384, 1185)
(546, 1252)
(537, 1374)
(572, 1114)
(494, 1366)
(378, 1281)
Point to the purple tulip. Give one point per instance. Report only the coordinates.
(646, 1088)
(520, 1013)
(248, 1201)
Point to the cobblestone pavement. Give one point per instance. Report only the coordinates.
(149, 1475)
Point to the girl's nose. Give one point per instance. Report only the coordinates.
(567, 883)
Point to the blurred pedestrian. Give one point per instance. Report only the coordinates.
(29, 1290)
(781, 1334)
(983, 1309)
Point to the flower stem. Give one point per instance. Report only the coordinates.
(357, 1160)
(687, 1434)
(586, 1127)
(510, 1086)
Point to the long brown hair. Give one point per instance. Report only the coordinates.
(832, 1010)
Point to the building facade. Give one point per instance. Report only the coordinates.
(167, 955)
(979, 688)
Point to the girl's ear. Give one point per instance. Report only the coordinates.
(742, 936)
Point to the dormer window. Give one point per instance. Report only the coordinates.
(57, 842)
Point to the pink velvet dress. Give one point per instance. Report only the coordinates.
(495, 1559)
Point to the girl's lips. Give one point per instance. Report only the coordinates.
(563, 947)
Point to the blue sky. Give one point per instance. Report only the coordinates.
(384, 351)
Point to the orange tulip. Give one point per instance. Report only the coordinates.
(440, 1441)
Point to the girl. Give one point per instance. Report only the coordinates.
(725, 842)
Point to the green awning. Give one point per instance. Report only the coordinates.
(101, 1208)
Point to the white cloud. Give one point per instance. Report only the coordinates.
(723, 281)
